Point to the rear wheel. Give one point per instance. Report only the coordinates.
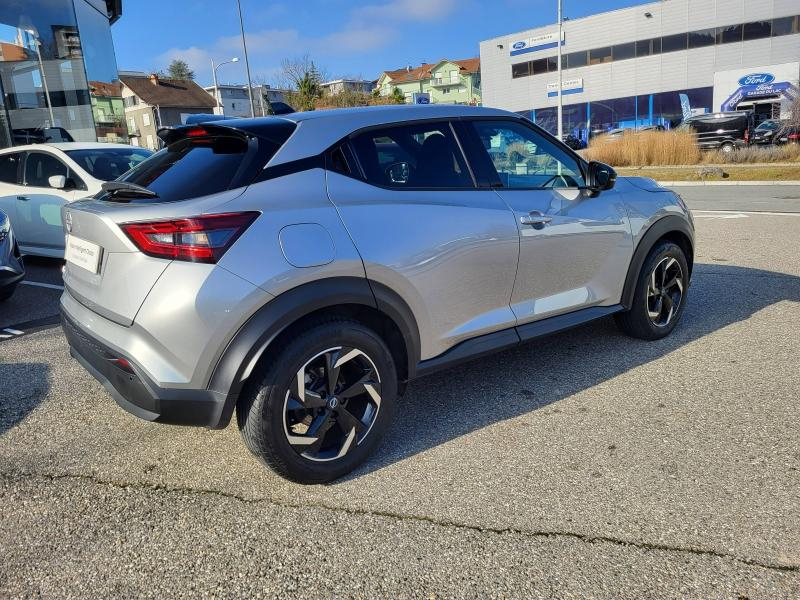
(323, 404)
(660, 294)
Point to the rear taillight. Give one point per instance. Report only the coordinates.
(196, 239)
(794, 136)
(746, 136)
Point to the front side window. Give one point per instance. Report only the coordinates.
(412, 156)
(524, 158)
(40, 167)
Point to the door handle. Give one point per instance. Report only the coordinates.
(23, 198)
(535, 218)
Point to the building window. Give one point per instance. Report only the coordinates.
(130, 101)
(729, 34)
(233, 105)
(785, 26)
(132, 124)
(539, 66)
(520, 70)
(576, 59)
(146, 119)
(702, 38)
(600, 55)
(674, 43)
(757, 30)
(625, 51)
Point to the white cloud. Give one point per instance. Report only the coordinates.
(404, 10)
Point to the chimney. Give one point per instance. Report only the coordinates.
(154, 79)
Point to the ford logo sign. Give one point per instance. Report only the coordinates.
(518, 45)
(757, 79)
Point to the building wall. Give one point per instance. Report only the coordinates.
(667, 72)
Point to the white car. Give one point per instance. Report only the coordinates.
(37, 180)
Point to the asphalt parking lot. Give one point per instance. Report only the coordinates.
(587, 465)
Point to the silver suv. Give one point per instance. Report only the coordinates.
(302, 269)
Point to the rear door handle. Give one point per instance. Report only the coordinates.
(535, 218)
(23, 198)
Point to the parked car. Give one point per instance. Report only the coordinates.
(765, 132)
(12, 269)
(574, 142)
(37, 180)
(788, 134)
(294, 270)
(724, 131)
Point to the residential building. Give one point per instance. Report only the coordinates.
(443, 82)
(58, 73)
(629, 68)
(337, 86)
(152, 102)
(234, 101)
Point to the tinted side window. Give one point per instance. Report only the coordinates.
(524, 158)
(412, 156)
(39, 167)
(9, 163)
(673, 43)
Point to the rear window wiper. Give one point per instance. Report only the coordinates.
(124, 189)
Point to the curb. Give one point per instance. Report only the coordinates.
(703, 183)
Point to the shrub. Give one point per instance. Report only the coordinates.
(646, 148)
(755, 154)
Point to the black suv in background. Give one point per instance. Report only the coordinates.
(767, 132)
(724, 131)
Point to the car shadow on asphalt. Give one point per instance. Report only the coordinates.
(23, 386)
(442, 407)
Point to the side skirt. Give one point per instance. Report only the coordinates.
(501, 340)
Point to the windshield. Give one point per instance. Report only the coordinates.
(768, 125)
(107, 164)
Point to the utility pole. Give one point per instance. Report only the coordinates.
(560, 91)
(246, 60)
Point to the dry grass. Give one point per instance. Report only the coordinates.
(677, 147)
(647, 148)
(733, 173)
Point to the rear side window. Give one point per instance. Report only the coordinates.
(412, 156)
(9, 163)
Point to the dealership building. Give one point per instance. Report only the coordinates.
(629, 68)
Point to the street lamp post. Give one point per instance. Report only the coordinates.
(560, 90)
(246, 61)
(217, 95)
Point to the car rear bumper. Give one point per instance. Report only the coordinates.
(136, 393)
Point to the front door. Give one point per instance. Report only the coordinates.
(573, 247)
(39, 205)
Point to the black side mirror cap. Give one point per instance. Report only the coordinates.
(601, 177)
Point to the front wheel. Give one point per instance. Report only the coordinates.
(660, 295)
(324, 403)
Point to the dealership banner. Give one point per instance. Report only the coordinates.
(536, 43)
(778, 83)
(568, 86)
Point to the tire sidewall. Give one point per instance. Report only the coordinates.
(276, 386)
(659, 253)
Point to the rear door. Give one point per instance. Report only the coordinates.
(574, 248)
(39, 206)
(425, 230)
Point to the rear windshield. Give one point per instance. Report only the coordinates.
(106, 164)
(192, 167)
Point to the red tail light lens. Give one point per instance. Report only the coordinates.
(794, 136)
(196, 239)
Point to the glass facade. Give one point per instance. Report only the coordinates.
(586, 119)
(58, 74)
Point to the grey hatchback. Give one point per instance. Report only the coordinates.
(301, 269)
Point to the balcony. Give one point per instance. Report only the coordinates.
(446, 81)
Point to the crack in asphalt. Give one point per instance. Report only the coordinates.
(591, 539)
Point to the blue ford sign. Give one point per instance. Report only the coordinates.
(518, 45)
(757, 79)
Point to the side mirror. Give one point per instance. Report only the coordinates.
(601, 177)
(398, 172)
(58, 182)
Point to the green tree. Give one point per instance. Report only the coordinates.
(397, 96)
(179, 69)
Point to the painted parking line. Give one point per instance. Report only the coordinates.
(49, 286)
(28, 327)
(738, 214)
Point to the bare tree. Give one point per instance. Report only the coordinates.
(303, 78)
(793, 121)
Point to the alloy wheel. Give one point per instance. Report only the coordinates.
(665, 291)
(332, 404)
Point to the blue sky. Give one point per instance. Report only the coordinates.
(345, 38)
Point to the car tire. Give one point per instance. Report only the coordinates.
(307, 432)
(7, 293)
(728, 148)
(660, 295)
